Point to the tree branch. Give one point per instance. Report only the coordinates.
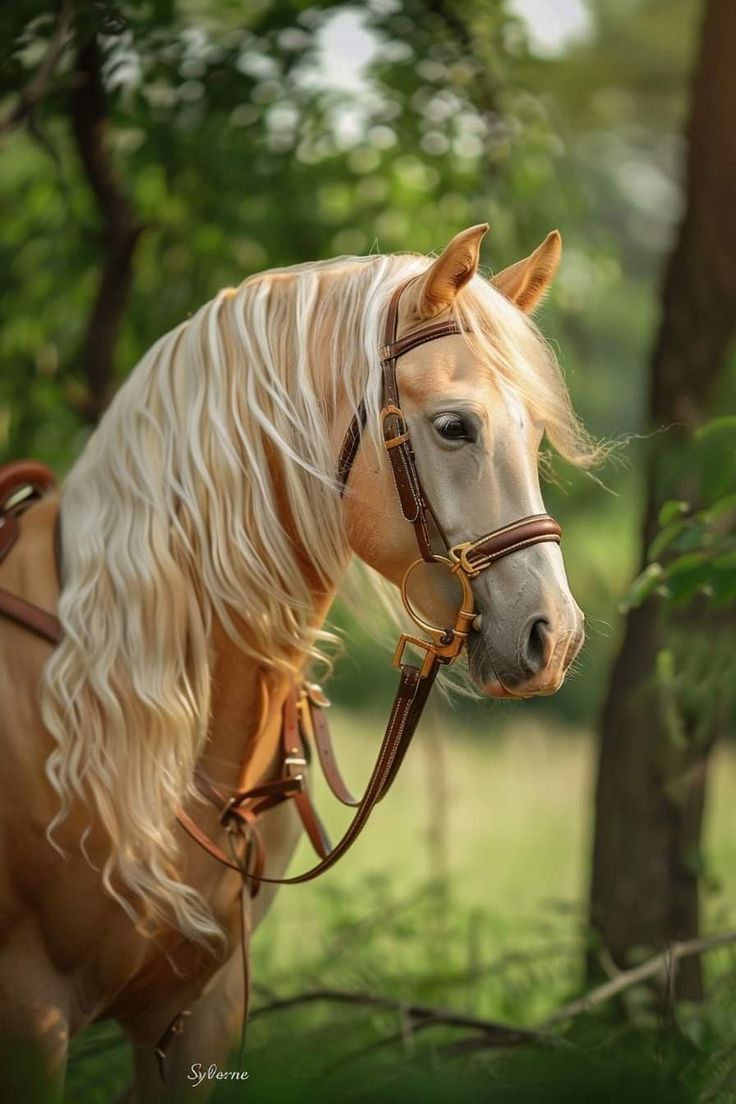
(419, 1015)
(35, 90)
(495, 1033)
(121, 230)
(660, 963)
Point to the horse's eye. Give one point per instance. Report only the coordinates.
(451, 427)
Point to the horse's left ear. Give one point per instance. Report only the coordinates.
(456, 264)
(525, 282)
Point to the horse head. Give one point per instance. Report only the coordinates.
(476, 406)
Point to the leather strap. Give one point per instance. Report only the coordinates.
(350, 446)
(30, 617)
(410, 700)
(407, 481)
(328, 762)
(393, 348)
(414, 505)
(476, 556)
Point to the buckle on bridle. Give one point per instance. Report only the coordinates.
(392, 411)
(431, 655)
(459, 556)
(227, 812)
(316, 695)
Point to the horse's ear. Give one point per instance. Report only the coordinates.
(456, 264)
(525, 282)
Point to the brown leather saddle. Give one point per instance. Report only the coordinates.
(22, 483)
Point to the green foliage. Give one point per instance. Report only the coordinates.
(693, 556)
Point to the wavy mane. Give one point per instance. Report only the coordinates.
(173, 516)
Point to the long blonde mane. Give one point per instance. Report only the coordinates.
(173, 517)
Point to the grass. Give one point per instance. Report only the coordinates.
(500, 821)
(466, 890)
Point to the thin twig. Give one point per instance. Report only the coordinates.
(35, 90)
(627, 978)
(502, 1037)
(420, 1014)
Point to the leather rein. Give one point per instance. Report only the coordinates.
(304, 724)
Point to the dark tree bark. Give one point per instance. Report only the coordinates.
(121, 229)
(651, 789)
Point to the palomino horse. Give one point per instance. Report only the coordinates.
(204, 536)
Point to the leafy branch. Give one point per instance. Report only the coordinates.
(36, 88)
(661, 964)
(694, 552)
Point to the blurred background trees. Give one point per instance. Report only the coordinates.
(670, 696)
(152, 153)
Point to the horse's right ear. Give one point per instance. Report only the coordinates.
(457, 263)
(525, 282)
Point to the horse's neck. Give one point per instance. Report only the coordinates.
(243, 745)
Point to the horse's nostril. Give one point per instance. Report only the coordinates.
(535, 652)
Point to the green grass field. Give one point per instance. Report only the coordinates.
(466, 891)
(501, 820)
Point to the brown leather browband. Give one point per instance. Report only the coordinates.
(303, 722)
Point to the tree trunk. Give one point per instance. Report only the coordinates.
(121, 230)
(651, 787)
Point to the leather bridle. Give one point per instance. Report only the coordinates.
(465, 560)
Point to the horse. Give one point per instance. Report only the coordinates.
(203, 538)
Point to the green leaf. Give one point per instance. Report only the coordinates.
(665, 666)
(725, 423)
(643, 586)
(722, 506)
(666, 536)
(688, 575)
(672, 509)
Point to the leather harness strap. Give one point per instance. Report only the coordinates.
(30, 617)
